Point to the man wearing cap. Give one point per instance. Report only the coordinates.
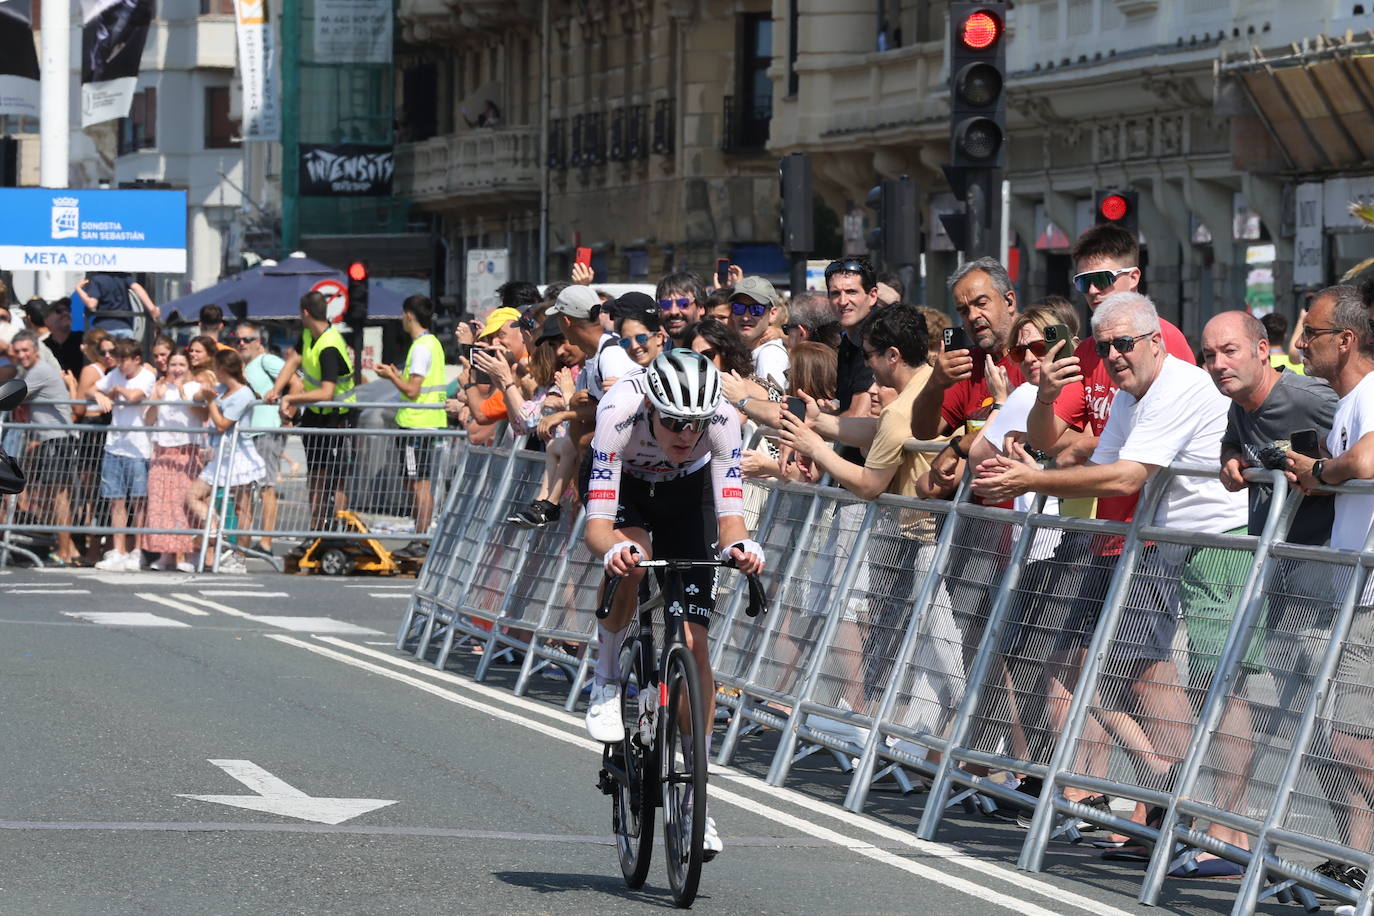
(753, 308)
(579, 311)
(422, 382)
(501, 331)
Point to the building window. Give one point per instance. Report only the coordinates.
(221, 131)
(139, 130)
(217, 7)
(754, 101)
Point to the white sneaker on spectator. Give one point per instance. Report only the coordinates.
(164, 563)
(114, 560)
(185, 567)
(233, 564)
(133, 562)
(604, 723)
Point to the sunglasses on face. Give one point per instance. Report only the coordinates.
(677, 425)
(682, 303)
(1038, 347)
(1097, 279)
(525, 323)
(108, 354)
(749, 308)
(635, 339)
(790, 327)
(1123, 345)
(245, 340)
(709, 353)
(1309, 332)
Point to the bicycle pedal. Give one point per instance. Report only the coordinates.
(605, 783)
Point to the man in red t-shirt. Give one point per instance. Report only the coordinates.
(957, 390)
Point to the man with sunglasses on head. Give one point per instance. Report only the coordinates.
(680, 297)
(261, 370)
(664, 479)
(753, 307)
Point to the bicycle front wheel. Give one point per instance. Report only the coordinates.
(682, 771)
(632, 815)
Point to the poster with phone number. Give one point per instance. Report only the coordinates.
(487, 270)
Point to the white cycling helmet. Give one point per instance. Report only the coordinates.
(683, 385)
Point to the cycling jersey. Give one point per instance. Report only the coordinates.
(624, 443)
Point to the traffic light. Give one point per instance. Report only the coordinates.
(796, 220)
(357, 295)
(897, 235)
(977, 78)
(1117, 208)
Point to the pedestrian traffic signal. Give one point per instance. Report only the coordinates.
(977, 68)
(357, 294)
(796, 219)
(896, 237)
(1115, 207)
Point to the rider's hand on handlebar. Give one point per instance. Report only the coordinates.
(621, 558)
(747, 554)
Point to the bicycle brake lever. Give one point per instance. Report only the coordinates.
(758, 601)
(608, 595)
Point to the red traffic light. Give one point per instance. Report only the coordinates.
(357, 271)
(1113, 208)
(980, 30)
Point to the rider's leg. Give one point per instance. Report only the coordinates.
(695, 636)
(611, 631)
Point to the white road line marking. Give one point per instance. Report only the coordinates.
(232, 592)
(276, 796)
(175, 605)
(406, 587)
(125, 619)
(954, 855)
(403, 597)
(316, 625)
(212, 605)
(47, 591)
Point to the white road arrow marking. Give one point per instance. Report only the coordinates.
(274, 796)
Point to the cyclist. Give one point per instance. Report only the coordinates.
(666, 451)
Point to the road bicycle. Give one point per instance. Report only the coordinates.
(661, 762)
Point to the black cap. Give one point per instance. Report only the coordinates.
(633, 305)
(552, 330)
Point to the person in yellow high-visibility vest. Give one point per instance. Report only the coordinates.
(423, 381)
(321, 358)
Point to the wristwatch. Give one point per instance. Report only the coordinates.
(1317, 467)
(740, 402)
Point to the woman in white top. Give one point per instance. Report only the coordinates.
(176, 462)
(236, 463)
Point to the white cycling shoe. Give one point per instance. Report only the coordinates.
(604, 722)
(711, 844)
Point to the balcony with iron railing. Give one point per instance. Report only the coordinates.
(470, 166)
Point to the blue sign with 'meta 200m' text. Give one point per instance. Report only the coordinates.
(62, 229)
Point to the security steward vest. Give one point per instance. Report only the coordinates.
(433, 389)
(310, 366)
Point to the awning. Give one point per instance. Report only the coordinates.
(1316, 99)
(275, 291)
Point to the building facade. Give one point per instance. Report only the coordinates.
(635, 128)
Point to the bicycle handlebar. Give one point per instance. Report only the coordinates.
(758, 600)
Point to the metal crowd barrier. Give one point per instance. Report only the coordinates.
(372, 464)
(1223, 678)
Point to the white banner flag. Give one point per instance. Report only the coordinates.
(257, 71)
(18, 60)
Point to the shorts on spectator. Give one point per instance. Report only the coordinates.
(326, 453)
(52, 464)
(125, 333)
(122, 477)
(1149, 613)
(1210, 589)
(1352, 692)
(417, 456)
(270, 448)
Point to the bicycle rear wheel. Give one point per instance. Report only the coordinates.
(632, 804)
(682, 769)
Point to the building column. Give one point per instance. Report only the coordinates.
(1265, 196)
(1033, 268)
(1170, 251)
(1214, 204)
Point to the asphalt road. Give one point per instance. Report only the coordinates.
(482, 802)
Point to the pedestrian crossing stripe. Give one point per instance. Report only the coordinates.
(125, 618)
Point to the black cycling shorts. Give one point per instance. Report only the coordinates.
(681, 520)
